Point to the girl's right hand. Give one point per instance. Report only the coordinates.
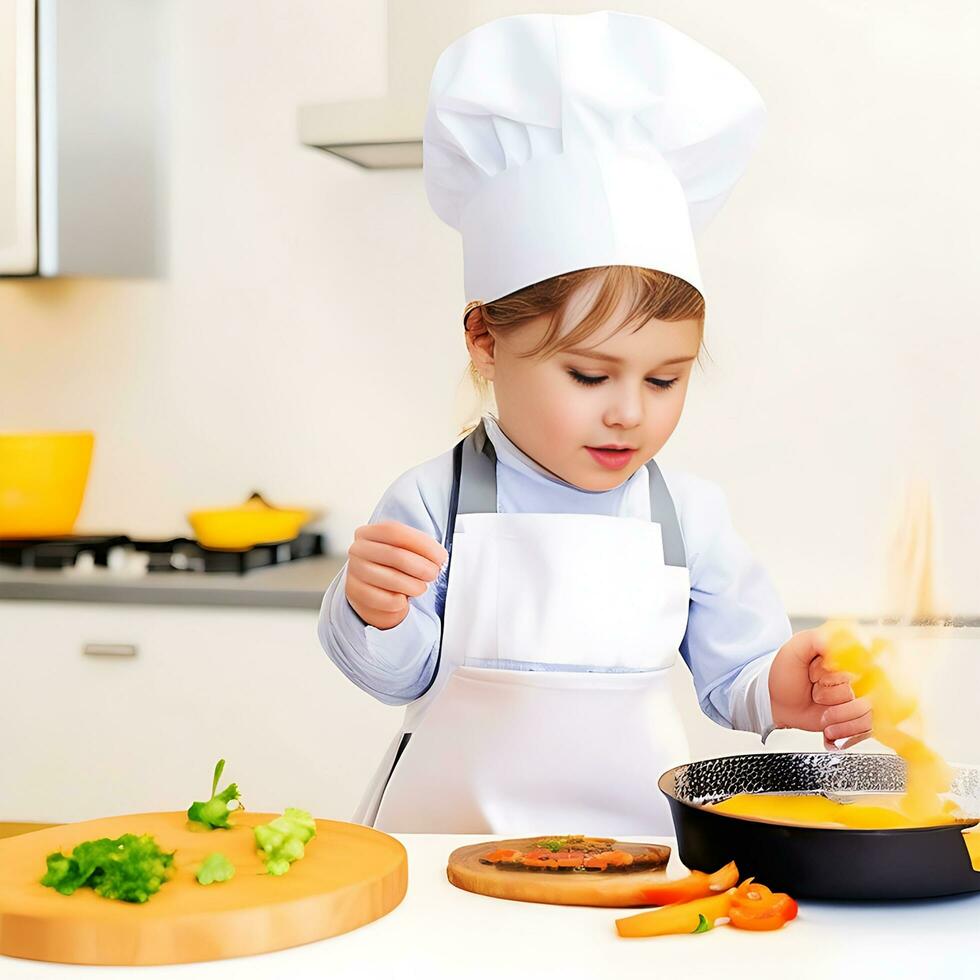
(386, 564)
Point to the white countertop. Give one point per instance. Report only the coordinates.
(441, 931)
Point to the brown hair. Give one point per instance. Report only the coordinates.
(655, 295)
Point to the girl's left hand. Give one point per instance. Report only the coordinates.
(808, 696)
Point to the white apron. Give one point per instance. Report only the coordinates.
(550, 710)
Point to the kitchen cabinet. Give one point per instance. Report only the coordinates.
(110, 709)
(83, 112)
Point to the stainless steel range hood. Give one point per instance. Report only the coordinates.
(386, 133)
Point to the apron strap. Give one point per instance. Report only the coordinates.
(477, 478)
(474, 491)
(664, 513)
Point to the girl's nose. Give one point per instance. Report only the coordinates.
(625, 410)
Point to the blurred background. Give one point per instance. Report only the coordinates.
(193, 273)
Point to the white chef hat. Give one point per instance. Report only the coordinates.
(558, 142)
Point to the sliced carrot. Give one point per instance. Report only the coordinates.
(618, 859)
(756, 907)
(752, 891)
(756, 923)
(502, 855)
(696, 885)
(540, 862)
(682, 918)
(724, 878)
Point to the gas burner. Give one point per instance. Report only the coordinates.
(57, 552)
(178, 555)
(186, 555)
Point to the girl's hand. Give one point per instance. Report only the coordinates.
(386, 564)
(808, 696)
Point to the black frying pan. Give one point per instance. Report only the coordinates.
(812, 862)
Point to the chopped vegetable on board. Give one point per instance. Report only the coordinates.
(130, 868)
(215, 867)
(214, 813)
(281, 841)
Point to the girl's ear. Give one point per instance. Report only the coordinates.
(480, 344)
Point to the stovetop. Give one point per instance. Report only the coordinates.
(183, 555)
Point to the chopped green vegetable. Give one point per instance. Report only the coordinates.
(703, 925)
(280, 842)
(214, 813)
(129, 868)
(553, 844)
(215, 867)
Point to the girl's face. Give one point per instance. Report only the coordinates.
(591, 416)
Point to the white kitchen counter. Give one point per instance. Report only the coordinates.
(441, 931)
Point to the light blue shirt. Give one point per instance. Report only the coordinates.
(736, 621)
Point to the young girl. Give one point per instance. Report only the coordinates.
(526, 593)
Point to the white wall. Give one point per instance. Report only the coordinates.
(306, 341)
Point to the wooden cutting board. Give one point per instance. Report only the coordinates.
(604, 889)
(350, 875)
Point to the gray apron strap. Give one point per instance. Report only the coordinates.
(474, 491)
(663, 512)
(478, 475)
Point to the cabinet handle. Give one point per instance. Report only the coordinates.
(109, 650)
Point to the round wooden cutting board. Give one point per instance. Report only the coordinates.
(350, 875)
(604, 889)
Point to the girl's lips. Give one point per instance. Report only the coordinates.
(611, 459)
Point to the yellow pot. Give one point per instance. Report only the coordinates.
(42, 482)
(254, 522)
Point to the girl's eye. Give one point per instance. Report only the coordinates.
(595, 379)
(587, 379)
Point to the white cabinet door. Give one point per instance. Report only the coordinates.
(18, 165)
(112, 709)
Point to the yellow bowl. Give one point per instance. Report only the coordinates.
(42, 482)
(252, 523)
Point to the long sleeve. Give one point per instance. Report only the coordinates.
(396, 664)
(736, 621)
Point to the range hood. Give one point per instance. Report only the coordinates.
(386, 133)
(377, 134)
